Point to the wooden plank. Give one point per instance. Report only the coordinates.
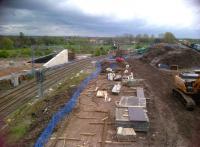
(100, 123)
(64, 138)
(64, 142)
(98, 111)
(129, 91)
(88, 134)
(104, 133)
(115, 142)
(86, 104)
(105, 118)
(86, 117)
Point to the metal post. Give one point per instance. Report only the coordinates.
(40, 89)
(32, 60)
(40, 79)
(41, 82)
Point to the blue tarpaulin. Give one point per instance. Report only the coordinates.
(43, 138)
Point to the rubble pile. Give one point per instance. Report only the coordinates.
(172, 54)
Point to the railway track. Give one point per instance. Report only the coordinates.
(12, 100)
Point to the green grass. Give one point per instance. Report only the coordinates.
(135, 46)
(26, 52)
(19, 130)
(21, 120)
(22, 52)
(87, 49)
(127, 47)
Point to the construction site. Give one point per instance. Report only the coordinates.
(120, 99)
(131, 104)
(99, 73)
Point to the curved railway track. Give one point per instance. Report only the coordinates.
(12, 100)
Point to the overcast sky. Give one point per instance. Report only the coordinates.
(100, 17)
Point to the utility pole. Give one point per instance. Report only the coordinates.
(32, 59)
(40, 80)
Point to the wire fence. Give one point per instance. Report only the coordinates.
(43, 138)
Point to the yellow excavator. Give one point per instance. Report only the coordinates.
(187, 88)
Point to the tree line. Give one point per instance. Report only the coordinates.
(22, 41)
(166, 37)
(12, 46)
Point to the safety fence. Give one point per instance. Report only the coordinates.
(65, 110)
(113, 65)
(43, 81)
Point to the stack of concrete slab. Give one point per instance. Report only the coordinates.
(117, 78)
(140, 95)
(132, 101)
(140, 92)
(126, 134)
(116, 88)
(111, 76)
(131, 117)
(130, 82)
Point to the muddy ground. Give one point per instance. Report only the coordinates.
(179, 127)
(80, 128)
(8, 66)
(170, 124)
(172, 54)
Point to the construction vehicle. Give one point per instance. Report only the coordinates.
(187, 88)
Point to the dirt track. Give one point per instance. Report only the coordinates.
(170, 124)
(179, 127)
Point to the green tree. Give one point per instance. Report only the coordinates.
(21, 35)
(6, 43)
(4, 54)
(145, 38)
(97, 52)
(138, 45)
(138, 37)
(103, 51)
(21, 39)
(169, 37)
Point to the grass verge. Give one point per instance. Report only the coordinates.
(26, 123)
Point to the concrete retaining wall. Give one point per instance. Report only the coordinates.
(60, 58)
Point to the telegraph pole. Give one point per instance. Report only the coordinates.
(32, 59)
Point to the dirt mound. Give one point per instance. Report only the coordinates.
(170, 54)
(105, 64)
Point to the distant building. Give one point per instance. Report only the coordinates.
(94, 41)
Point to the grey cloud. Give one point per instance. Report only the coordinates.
(41, 17)
(25, 4)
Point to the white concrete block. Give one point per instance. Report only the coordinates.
(60, 58)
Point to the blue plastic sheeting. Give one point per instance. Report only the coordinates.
(110, 57)
(65, 110)
(113, 65)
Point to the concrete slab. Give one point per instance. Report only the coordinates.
(132, 101)
(137, 114)
(60, 58)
